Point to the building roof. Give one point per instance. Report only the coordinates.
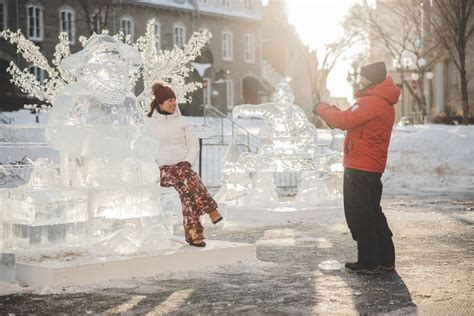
(172, 4)
(211, 8)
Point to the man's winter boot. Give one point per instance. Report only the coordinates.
(359, 267)
(367, 257)
(387, 254)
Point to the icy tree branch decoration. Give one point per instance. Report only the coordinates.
(48, 89)
(171, 66)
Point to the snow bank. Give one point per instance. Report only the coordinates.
(430, 158)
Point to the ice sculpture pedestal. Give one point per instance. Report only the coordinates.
(285, 213)
(93, 269)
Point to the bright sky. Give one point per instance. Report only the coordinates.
(317, 22)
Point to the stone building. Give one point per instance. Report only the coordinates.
(236, 74)
(441, 78)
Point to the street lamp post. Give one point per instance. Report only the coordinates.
(352, 77)
(402, 66)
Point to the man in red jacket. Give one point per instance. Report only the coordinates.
(369, 125)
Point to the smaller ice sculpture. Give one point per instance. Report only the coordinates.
(288, 141)
(312, 189)
(235, 179)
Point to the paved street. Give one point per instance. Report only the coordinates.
(298, 272)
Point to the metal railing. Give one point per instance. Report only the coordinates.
(4, 119)
(228, 129)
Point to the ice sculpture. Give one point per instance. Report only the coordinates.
(106, 185)
(235, 179)
(288, 141)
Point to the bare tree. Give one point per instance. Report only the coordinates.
(97, 14)
(453, 23)
(402, 36)
(318, 72)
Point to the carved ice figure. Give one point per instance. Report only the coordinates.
(288, 141)
(235, 179)
(312, 189)
(98, 116)
(107, 171)
(334, 168)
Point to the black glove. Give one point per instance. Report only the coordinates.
(315, 108)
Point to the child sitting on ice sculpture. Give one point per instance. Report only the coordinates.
(179, 150)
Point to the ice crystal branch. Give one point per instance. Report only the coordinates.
(48, 89)
(171, 66)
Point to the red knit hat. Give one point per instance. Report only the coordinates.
(162, 92)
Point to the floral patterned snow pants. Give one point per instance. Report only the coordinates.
(195, 199)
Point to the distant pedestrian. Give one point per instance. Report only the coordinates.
(369, 124)
(179, 150)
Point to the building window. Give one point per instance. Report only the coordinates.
(249, 48)
(3, 16)
(35, 22)
(126, 26)
(67, 24)
(179, 35)
(157, 27)
(203, 2)
(37, 72)
(97, 22)
(248, 5)
(229, 88)
(226, 3)
(227, 46)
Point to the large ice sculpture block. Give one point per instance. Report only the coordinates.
(105, 194)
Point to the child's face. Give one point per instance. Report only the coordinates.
(169, 105)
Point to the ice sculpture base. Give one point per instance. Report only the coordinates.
(93, 269)
(283, 214)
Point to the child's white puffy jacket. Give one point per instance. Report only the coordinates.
(178, 142)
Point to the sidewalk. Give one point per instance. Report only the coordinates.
(298, 272)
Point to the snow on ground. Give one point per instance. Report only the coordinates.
(25, 117)
(430, 158)
(422, 158)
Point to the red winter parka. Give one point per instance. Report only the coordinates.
(369, 125)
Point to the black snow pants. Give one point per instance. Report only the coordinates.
(366, 221)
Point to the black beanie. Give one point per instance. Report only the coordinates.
(375, 72)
